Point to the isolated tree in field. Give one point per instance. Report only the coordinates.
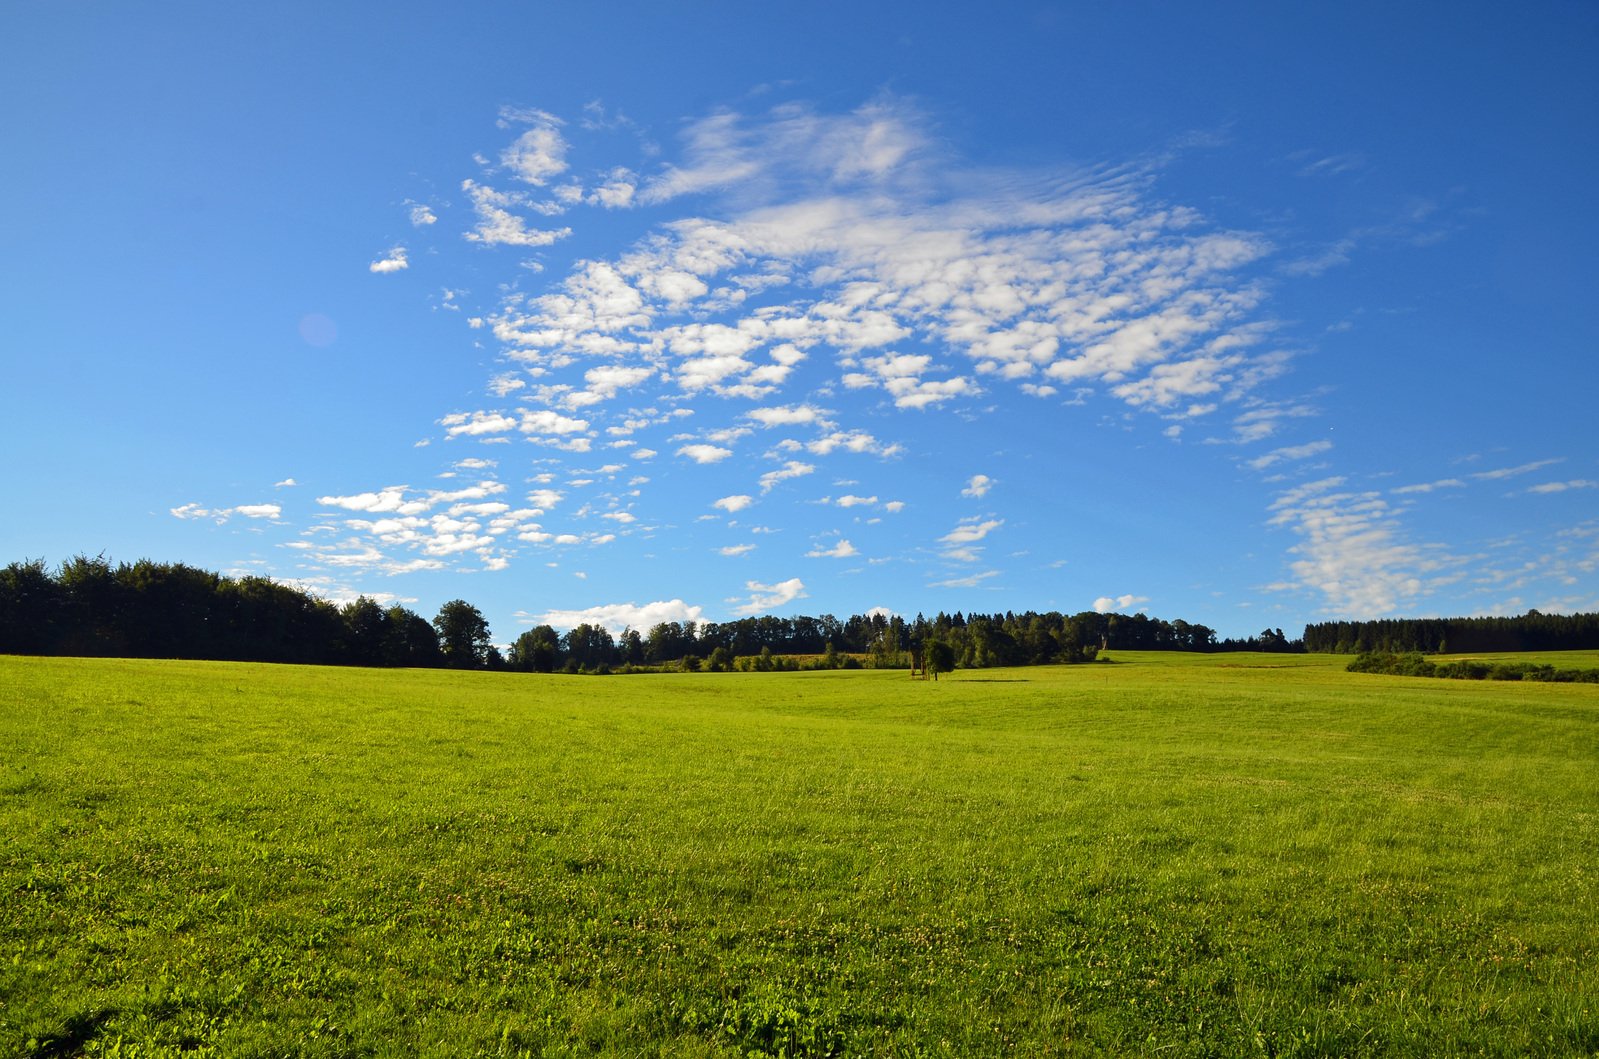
(939, 658)
(463, 634)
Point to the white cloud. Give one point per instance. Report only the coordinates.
(764, 598)
(850, 500)
(894, 506)
(791, 469)
(1107, 604)
(284, 484)
(979, 485)
(223, 514)
(705, 453)
(792, 415)
(476, 424)
(394, 262)
(539, 153)
(422, 215)
(850, 441)
(737, 549)
(618, 616)
(842, 550)
(733, 504)
(498, 226)
(544, 421)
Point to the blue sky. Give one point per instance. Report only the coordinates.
(1242, 313)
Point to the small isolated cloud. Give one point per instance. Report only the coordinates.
(842, 550)
(855, 501)
(705, 453)
(422, 216)
(258, 510)
(979, 485)
(733, 504)
(736, 549)
(395, 262)
(619, 616)
(769, 597)
(284, 484)
(894, 506)
(1107, 604)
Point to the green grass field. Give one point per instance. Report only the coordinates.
(1170, 855)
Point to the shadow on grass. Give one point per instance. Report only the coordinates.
(78, 1031)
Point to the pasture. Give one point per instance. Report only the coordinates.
(1173, 855)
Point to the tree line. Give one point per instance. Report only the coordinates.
(171, 610)
(877, 640)
(146, 609)
(1531, 631)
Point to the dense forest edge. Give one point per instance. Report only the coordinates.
(89, 606)
(1531, 631)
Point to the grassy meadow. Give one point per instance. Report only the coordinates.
(1168, 855)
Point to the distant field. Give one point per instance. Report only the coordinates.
(1171, 855)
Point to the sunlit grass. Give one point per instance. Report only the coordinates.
(1173, 855)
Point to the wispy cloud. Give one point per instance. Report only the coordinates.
(1352, 550)
(1561, 487)
(969, 581)
(1291, 452)
(1512, 472)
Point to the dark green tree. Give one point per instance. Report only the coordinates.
(463, 635)
(939, 657)
(536, 651)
